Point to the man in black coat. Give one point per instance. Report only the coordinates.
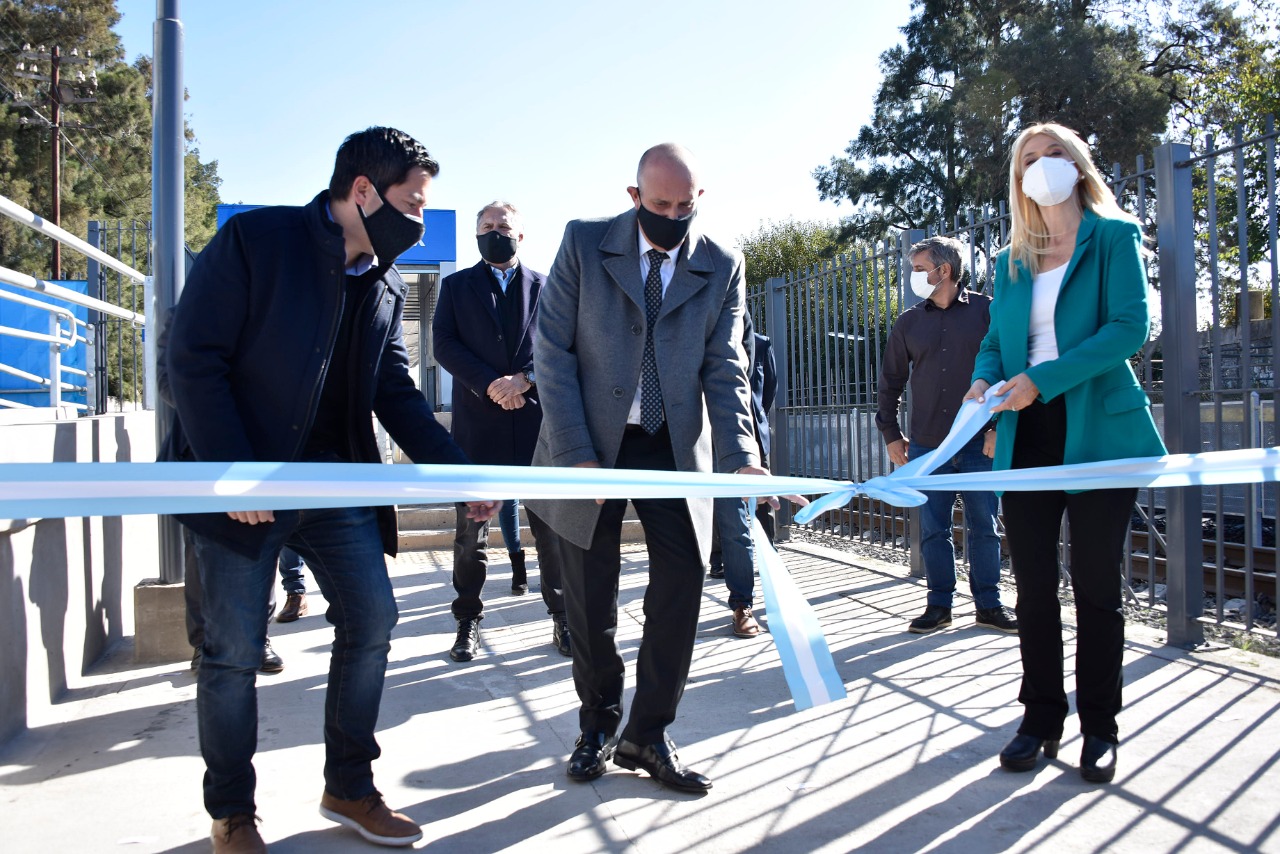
(285, 343)
(484, 328)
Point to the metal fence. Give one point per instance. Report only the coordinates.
(1207, 368)
(60, 376)
(118, 345)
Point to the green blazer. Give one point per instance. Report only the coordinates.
(1100, 321)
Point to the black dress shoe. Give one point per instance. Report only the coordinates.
(717, 570)
(467, 644)
(1021, 753)
(271, 661)
(663, 765)
(560, 636)
(1098, 760)
(590, 754)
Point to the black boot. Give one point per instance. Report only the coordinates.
(519, 579)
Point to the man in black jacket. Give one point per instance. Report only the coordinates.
(484, 328)
(287, 339)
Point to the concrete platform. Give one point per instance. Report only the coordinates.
(476, 752)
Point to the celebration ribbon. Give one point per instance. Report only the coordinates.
(806, 659)
(57, 490)
(53, 490)
(906, 485)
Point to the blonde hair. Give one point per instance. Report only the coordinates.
(1028, 235)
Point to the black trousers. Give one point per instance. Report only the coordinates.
(1098, 522)
(471, 564)
(671, 603)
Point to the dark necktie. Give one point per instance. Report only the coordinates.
(650, 388)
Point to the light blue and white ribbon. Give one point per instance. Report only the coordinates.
(56, 490)
(806, 659)
(906, 485)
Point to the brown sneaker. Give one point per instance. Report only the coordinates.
(370, 817)
(295, 606)
(744, 624)
(237, 834)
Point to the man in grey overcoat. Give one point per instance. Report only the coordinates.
(640, 365)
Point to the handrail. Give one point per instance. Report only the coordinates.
(22, 280)
(15, 211)
(43, 306)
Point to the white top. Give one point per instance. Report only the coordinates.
(667, 272)
(1042, 343)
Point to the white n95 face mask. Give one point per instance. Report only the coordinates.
(1050, 181)
(920, 283)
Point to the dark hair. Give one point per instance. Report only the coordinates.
(383, 155)
(943, 250)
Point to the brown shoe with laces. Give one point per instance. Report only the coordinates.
(744, 624)
(237, 834)
(371, 818)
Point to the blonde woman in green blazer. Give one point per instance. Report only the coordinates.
(1070, 309)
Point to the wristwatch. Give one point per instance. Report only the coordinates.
(528, 376)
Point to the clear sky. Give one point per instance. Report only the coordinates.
(545, 104)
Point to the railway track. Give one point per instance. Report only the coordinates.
(889, 524)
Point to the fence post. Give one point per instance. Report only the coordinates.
(776, 322)
(55, 361)
(97, 404)
(1175, 238)
(168, 263)
(906, 240)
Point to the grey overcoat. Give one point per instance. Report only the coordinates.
(591, 333)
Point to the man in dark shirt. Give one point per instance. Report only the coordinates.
(934, 343)
(286, 342)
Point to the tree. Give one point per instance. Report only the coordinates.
(972, 74)
(106, 168)
(1227, 69)
(781, 248)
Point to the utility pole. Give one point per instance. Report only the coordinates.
(60, 95)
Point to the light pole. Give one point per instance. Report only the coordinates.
(60, 95)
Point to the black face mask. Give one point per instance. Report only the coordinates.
(390, 231)
(496, 247)
(662, 232)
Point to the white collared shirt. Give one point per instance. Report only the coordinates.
(668, 266)
(667, 272)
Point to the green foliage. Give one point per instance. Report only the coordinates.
(780, 248)
(106, 166)
(841, 298)
(972, 74)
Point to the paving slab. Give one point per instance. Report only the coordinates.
(476, 752)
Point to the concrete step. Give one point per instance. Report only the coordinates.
(432, 526)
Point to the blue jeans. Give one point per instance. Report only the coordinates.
(982, 546)
(344, 550)
(732, 520)
(291, 572)
(509, 523)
